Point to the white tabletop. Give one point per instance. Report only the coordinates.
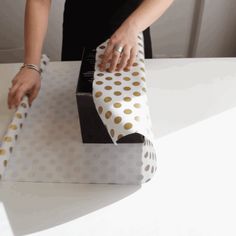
(192, 104)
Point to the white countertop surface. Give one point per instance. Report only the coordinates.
(192, 104)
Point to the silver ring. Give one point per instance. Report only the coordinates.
(118, 48)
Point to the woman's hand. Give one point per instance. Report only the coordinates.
(125, 38)
(26, 82)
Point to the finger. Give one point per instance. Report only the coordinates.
(11, 94)
(20, 94)
(132, 58)
(108, 61)
(15, 87)
(106, 56)
(114, 61)
(124, 58)
(33, 95)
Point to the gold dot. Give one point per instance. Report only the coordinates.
(18, 115)
(135, 73)
(136, 83)
(100, 109)
(137, 105)
(108, 114)
(137, 118)
(141, 52)
(143, 79)
(99, 82)
(108, 87)
(128, 125)
(117, 83)
(126, 70)
(108, 78)
(7, 139)
(100, 74)
(120, 136)
(142, 69)
(13, 126)
(107, 99)
(144, 90)
(117, 93)
(2, 151)
(127, 88)
(127, 99)
(23, 105)
(117, 74)
(136, 93)
(127, 111)
(135, 64)
(112, 132)
(126, 78)
(98, 94)
(117, 105)
(117, 119)
(5, 163)
(142, 60)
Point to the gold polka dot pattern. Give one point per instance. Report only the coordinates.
(123, 98)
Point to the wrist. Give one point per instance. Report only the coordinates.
(132, 24)
(31, 67)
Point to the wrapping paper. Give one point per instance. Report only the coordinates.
(121, 101)
(8, 141)
(50, 148)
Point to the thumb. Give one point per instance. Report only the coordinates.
(32, 95)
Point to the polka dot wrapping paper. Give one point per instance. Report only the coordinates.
(121, 101)
(49, 147)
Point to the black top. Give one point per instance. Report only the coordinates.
(95, 20)
(89, 23)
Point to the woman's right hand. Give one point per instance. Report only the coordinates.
(26, 82)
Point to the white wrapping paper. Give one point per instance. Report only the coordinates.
(10, 137)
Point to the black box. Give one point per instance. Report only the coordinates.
(92, 127)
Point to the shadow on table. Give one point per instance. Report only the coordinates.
(32, 207)
(184, 91)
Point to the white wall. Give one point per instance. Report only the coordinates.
(171, 34)
(11, 30)
(218, 29)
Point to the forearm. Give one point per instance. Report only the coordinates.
(147, 12)
(35, 28)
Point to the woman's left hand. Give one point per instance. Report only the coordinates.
(121, 49)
